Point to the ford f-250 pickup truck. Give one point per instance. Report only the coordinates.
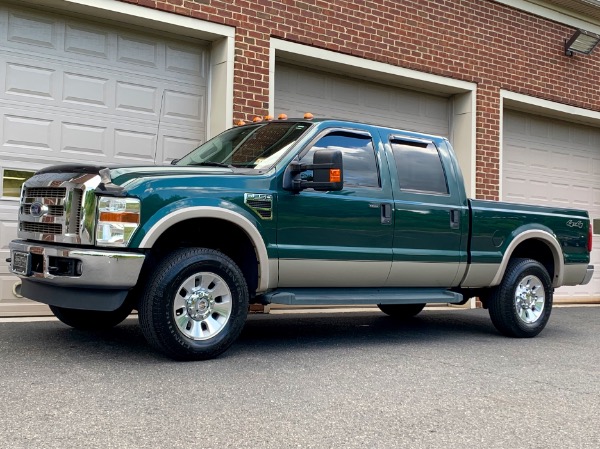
(288, 212)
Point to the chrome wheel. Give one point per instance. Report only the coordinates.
(530, 298)
(202, 306)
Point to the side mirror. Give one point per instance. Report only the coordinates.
(328, 173)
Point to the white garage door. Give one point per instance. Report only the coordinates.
(551, 162)
(79, 91)
(327, 95)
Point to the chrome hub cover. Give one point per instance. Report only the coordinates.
(199, 305)
(202, 306)
(530, 298)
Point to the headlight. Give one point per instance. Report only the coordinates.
(118, 218)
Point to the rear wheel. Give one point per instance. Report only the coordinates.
(195, 305)
(91, 319)
(521, 305)
(401, 311)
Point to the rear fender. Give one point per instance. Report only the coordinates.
(545, 237)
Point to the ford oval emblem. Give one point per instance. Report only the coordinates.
(37, 209)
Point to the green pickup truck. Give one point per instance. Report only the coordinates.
(299, 212)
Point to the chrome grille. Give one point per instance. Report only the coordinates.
(41, 228)
(45, 192)
(52, 207)
(53, 211)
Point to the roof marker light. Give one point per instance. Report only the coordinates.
(282, 117)
(308, 116)
(268, 117)
(257, 119)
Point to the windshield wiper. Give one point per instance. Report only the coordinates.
(213, 164)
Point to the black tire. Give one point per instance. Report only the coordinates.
(91, 320)
(401, 311)
(521, 305)
(195, 305)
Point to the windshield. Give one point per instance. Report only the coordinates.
(257, 146)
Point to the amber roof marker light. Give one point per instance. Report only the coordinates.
(308, 116)
(282, 117)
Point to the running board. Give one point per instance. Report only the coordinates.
(352, 296)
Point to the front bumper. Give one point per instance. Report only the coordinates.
(87, 279)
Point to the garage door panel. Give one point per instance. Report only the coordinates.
(79, 91)
(134, 145)
(30, 81)
(182, 107)
(554, 163)
(137, 98)
(82, 140)
(93, 42)
(176, 144)
(298, 90)
(32, 29)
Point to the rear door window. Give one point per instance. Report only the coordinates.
(419, 167)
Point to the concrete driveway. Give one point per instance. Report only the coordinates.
(308, 380)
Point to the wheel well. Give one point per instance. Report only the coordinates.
(537, 250)
(220, 235)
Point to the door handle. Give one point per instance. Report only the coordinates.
(454, 219)
(386, 214)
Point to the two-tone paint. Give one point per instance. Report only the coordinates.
(339, 239)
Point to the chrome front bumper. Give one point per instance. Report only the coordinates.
(97, 269)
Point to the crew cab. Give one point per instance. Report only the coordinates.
(294, 211)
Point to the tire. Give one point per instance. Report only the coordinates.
(401, 311)
(195, 305)
(91, 320)
(521, 305)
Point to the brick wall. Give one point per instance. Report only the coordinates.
(472, 40)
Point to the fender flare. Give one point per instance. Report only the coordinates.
(219, 213)
(549, 240)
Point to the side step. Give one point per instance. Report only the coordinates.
(352, 296)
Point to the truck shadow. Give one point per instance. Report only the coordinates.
(329, 330)
(266, 334)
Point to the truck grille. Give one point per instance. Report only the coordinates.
(42, 228)
(45, 192)
(52, 209)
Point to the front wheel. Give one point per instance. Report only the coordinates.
(195, 305)
(521, 305)
(401, 311)
(91, 320)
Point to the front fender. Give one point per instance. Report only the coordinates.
(177, 212)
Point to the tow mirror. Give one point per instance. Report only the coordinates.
(328, 173)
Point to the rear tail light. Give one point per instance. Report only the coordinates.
(590, 238)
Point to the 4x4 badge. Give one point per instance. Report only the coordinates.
(575, 224)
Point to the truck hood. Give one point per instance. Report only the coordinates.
(134, 170)
(116, 179)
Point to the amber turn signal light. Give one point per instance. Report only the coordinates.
(120, 217)
(335, 175)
